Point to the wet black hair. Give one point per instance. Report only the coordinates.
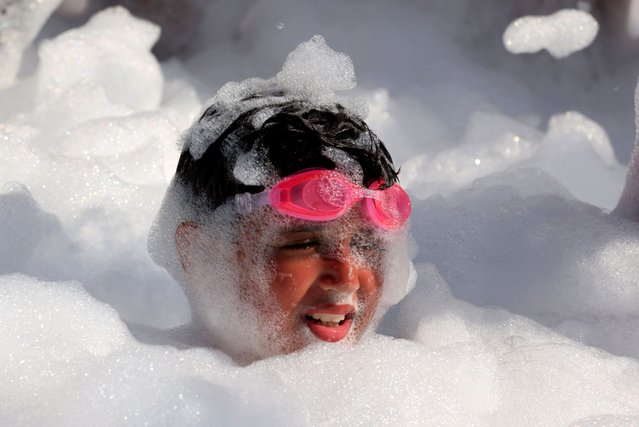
(293, 138)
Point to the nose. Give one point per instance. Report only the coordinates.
(340, 273)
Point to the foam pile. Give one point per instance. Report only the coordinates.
(102, 376)
(98, 134)
(494, 142)
(460, 364)
(502, 219)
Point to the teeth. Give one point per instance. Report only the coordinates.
(325, 317)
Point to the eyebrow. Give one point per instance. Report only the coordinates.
(302, 229)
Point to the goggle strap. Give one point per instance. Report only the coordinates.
(367, 193)
(246, 202)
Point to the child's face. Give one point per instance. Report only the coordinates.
(297, 282)
(324, 279)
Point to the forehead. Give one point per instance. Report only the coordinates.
(267, 223)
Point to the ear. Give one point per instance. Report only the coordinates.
(184, 239)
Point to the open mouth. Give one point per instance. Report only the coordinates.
(330, 327)
(329, 320)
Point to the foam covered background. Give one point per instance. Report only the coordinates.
(525, 309)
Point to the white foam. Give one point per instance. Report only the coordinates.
(473, 376)
(561, 34)
(101, 369)
(104, 68)
(559, 274)
(20, 23)
(507, 143)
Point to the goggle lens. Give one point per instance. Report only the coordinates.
(391, 210)
(325, 194)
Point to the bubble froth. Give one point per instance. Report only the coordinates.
(522, 307)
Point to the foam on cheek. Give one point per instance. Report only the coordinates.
(399, 272)
(282, 328)
(231, 292)
(386, 253)
(260, 237)
(384, 256)
(221, 294)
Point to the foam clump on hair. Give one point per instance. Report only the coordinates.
(253, 168)
(312, 73)
(315, 69)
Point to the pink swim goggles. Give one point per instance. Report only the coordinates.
(324, 195)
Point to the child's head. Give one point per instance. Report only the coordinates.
(275, 140)
(267, 276)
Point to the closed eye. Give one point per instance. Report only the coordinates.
(367, 242)
(368, 246)
(299, 240)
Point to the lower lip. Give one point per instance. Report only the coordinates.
(329, 334)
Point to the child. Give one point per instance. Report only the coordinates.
(283, 223)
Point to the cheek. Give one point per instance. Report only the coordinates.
(292, 281)
(370, 284)
(369, 292)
